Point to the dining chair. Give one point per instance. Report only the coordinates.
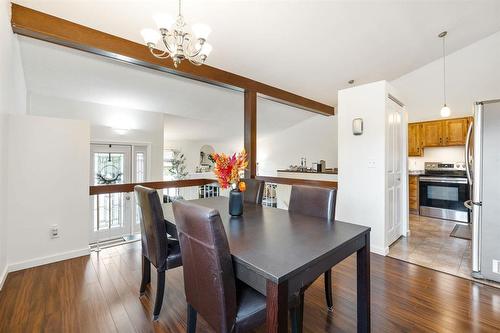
(227, 304)
(254, 191)
(317, 202)
(157, 248)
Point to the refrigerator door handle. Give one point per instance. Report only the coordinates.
(467, 152)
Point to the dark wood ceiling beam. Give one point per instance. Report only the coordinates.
(32, 23)
(250, 132)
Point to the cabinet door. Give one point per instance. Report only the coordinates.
(455, 131)
(433, 134)
(414, 140)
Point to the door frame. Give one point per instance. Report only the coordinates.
(133, 145)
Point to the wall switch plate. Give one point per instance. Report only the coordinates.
(371, 164)
(54, 231)
(496, 266)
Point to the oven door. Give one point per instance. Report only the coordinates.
(443, 197)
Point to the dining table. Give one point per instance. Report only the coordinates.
(280, 253)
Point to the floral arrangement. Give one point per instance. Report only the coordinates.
(228, 168)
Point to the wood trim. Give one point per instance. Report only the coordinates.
(129, 187)
(250, 132)
(32, 23)
(293, 181)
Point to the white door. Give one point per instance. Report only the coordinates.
(111, 213)
(394, 163)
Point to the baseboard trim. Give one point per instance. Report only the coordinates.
(3, 276)
(383, 251)
(48, 259)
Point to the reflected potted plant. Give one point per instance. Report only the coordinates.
(228, 169)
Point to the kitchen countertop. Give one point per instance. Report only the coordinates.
(311, 172)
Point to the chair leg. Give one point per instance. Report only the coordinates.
(328, 290)
(160, 288)
(146, 274)
(191, 319)
(297, 315)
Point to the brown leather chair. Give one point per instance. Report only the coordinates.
(318, 202)
(254, 192)
(228, 305)
(157, 248)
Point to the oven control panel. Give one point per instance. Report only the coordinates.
(445, 166)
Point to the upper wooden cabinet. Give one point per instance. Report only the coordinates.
(455, 131)
(438, 133)
(432, 134)
(414, 144)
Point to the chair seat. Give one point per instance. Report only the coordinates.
(251, 308)
(174, 258)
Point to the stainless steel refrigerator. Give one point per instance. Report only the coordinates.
(483, 171)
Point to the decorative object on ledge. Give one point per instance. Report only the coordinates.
(228, 170)
(357, 126)
(177, 43)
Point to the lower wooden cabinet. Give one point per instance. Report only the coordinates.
(414, 205)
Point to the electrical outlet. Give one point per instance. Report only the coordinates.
(54, 231)
(371, 164)
(496, 266)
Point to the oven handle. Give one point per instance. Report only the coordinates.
(443, 180)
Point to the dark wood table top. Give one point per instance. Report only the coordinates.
(276, 243)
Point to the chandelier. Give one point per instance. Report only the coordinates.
(176, 43)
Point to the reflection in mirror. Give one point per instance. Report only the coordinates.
(159, 119)
(293, 143)
(205, 152)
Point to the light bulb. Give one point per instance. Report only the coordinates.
(201, 30)
(150, 36)
(445, 111)
(163, 21)
(206, 49)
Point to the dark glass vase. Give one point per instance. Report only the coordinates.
(235, 203)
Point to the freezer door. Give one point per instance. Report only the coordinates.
(489, 209)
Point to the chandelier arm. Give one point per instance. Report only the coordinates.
(195, 62)
(165, 42)
(160, 55)
(191, 49)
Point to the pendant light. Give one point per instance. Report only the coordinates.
(445, 110)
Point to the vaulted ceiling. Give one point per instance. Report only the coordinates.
(308, 47)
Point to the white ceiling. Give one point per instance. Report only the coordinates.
(309, 47)
(193, 110)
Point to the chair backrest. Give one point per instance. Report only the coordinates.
(313, 201)
(153, 228)
(254, 191)
(209, 280)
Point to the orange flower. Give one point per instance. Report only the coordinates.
(242, 186)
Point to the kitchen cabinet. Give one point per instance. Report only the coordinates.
(432, 134)
(455, 131)
(437, 133)
(413, 195)
(414, 146)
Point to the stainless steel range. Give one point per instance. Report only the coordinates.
(443, 190)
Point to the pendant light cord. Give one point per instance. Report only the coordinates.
(180, 7)
(444, 71)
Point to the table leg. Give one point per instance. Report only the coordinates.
(277, 307)
(363, 271)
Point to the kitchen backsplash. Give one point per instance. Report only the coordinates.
(437, 154)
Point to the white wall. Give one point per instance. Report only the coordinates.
(361, 197)
(314, 138)
(473, 74)
(143, 127)
(437, 154)
(48, 183)
(12, 100)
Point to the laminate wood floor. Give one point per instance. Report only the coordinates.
(99, 293)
